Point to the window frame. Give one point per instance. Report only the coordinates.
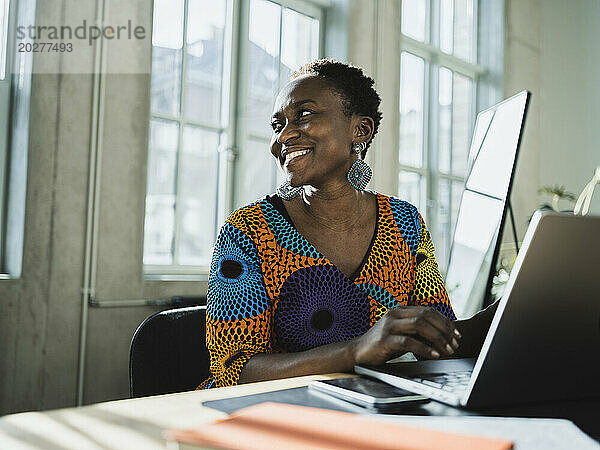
(434, 58)
(233, 128)
(315, 10)
(14, 113)
(5, 107)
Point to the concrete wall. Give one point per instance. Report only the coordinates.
(39, 313)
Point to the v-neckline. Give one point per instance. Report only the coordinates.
(279, 206)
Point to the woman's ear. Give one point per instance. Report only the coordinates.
(363, 129)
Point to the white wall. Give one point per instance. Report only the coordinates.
(570, 94)
(522, 71)
(552, 50)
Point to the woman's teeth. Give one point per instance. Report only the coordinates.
(294, 154)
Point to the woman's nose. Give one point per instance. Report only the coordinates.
(288, 132)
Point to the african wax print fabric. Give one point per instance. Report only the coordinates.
(270, 290)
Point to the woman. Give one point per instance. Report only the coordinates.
(325, 275)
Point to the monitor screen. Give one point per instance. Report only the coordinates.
(483, 204)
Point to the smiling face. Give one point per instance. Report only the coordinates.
(312, 137)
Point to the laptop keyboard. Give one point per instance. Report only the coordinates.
(451, 381)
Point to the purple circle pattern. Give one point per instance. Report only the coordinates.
(308, 292)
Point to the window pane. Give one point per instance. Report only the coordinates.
(160, 197)
(462, 111)
(204, 71)
(412, 74)
(167, 31)
(299, 41)
(263, 65)
(444, 237)
(446, 25)
(159, 229)
(259, 175)
(412, 188)
(167, 41)
(197, 195)
(162, 157)
(166, 81)
(445, 119)
(413, 18)
(463, 29)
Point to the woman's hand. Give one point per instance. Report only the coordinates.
(421, 330)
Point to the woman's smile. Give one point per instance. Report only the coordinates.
(292, 154)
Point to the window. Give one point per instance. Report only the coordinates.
(211, 101)
(278, 44)
(439, 77)
(15, 94)
(5, 92)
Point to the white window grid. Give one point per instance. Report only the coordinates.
(434, 58)
(232, 129)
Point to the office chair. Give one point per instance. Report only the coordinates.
(168, 352)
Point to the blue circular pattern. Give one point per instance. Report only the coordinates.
(241, 296)
(227, 258)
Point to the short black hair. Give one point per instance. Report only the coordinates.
(355, 88)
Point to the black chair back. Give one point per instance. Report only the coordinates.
(168, 352)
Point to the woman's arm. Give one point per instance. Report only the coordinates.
(325, 359)
(474, 329)
(400, 330)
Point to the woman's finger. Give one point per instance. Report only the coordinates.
(440, 321)
(402, 343)
(419, 325)
(435, 318)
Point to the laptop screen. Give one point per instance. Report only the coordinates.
(483, 204)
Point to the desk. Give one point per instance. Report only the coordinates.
(138, 423)
(126, 424)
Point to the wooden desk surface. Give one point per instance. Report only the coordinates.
(126, 424)
(139, 423)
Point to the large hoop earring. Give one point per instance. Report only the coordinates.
(360, 173)
(287, 192)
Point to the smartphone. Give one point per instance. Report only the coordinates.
(365, 392)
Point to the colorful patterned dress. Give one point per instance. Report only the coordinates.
(270, 290)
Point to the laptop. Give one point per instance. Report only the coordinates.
(544, 340)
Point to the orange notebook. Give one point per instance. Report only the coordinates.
(280, 426)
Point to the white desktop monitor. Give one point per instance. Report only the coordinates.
(483, 205)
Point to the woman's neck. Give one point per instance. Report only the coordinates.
(339, 208)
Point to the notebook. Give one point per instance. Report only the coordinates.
(279, 426)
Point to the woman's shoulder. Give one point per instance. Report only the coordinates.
(251, 215)
(407, 219)
(398, 205)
